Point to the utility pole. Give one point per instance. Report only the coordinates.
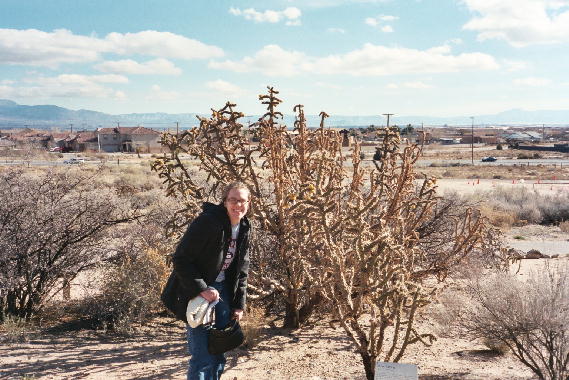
(472, 140)
(98, 139)
(71, 128)
(176, 128)
(388, 115)
(543, 133)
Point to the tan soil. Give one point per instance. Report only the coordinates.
(158, 352)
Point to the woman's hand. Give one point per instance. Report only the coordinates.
(237, 314)
(210, 295)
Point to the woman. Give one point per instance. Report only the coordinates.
(212, 260)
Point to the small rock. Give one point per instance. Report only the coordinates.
(533, 254)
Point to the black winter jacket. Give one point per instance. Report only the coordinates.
(199, 257)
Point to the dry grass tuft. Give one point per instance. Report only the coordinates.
(130, 292)
(252, 326)
(496, 345)
(499, 218)
(564, 226)
(14, 330)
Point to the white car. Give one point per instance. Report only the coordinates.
(74, 161)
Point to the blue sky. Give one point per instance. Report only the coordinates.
(345, 57)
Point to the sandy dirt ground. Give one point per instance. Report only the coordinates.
(158, 352)
(321, 351)
(472, 186)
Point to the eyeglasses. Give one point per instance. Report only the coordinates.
(235, 201)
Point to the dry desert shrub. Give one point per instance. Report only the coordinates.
(564, 226)
(54, 225)
(530, 317)
(498, 218)
(530, 206)
(130, 292)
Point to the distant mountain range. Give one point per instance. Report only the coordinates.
(16, 115)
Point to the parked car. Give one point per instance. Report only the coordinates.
(489, 159)
(74, 161)
(56, 149)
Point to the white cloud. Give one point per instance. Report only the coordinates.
(161, 44)
(290, 15)
(328, 85)
(371, 21)
(336, 30)
(66, 86)
(512, 65)
(157, 93)
(416, 85)
(532, 82)
(412, 85)
(387, 18)
(271, 60)
(379, 22)
(520, 22)
(224, 87)
(335, 3)
(371, 60)
(38, 48)
(455, 41)
(128, 66)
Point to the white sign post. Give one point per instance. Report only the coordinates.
(395, 371)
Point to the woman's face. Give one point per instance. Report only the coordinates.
(237, 204)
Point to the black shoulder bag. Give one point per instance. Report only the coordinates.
(225, 339)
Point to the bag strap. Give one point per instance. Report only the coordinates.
(211, 322)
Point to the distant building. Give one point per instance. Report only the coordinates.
(31, 138)
(128, 139)
(449, 140)
(6, 144)
(83, 141)
(469, 139)
(523, 137)
(424, 137)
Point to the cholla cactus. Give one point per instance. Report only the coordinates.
(333, 228)
(363, 227)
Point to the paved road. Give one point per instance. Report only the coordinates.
(505, 162)
(44, 163)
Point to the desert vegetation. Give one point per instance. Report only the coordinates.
(58, 224)
(368, 241)
(528, 318)
(369, 246)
